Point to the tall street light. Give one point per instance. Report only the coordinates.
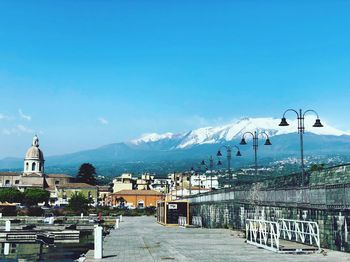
(228, 155)
(301, 131)
(255, 136)
(211, 166)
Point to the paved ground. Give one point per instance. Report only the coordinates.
(141, 239)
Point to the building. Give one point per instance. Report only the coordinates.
(64, 192)
(144, 182)
(161, 185)
(136, 198)
(123, 182)
(33, 175)
(104, 195)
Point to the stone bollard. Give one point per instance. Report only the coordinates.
(8, 225)
(0, 215)
(81, 215)
(121, 218)
(7, 245)
(98, 242)
(116, 223)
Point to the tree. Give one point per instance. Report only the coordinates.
(78, 202)
(33, 196)
(87, 174)
(11, 195)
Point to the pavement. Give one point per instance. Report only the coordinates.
(141, 239)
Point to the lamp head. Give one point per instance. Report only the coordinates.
(219, 163)
(318, 123)
(284, 122)
(243, 142)
(219, 153)
(238, 153)
(202, 163)
(267, 142)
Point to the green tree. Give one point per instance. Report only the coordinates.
(33, 196)
(11, 195)
(87, 174)
(78, 202)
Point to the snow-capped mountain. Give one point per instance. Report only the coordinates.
(168, 152)
(235, 130)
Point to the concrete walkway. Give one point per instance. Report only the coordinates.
(142, 239)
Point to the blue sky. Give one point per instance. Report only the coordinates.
(86, 73)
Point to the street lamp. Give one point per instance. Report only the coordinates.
(301, 131)
(228, 155)
(211, 166)
(255, 136)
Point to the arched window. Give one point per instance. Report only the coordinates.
(141, 204)
(33, 166)
(40, 167)
(27, 166)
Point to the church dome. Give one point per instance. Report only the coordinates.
(34, 153)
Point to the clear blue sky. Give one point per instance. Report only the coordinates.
(86, 73)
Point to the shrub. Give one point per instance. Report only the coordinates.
(35, 211)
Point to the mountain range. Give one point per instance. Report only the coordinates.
(179, 150)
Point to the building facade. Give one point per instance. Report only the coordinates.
(136, 198)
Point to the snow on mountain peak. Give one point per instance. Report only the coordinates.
(152, 137)
(235, 130)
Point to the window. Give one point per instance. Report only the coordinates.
(16, 182)
(57, 182)
(27, 166)
(33, 166)
(141, 204)
(7, 182)
(40, 167)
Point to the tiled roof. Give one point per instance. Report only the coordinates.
(58, 176)
(77, 186)
(138, 192)
(9, 174)
(104, 188)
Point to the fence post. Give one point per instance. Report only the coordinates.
(116, 223)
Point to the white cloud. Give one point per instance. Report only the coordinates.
(103, 121)
(18, 130)
(2, 116)
(24, 116)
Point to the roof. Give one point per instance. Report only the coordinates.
(35, 153)
(103, 188)
(77, 186)
(7, 204)
(138, 192)
(58, 176)
(9, 174)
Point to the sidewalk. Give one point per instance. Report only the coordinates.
(141, 239)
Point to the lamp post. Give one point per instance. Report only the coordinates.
(301, 131)
(255, 136)
(211, 166)
(228, 155)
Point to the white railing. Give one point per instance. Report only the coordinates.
(263, 234)
(306, 232)
(182, 221)
(197, 221)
